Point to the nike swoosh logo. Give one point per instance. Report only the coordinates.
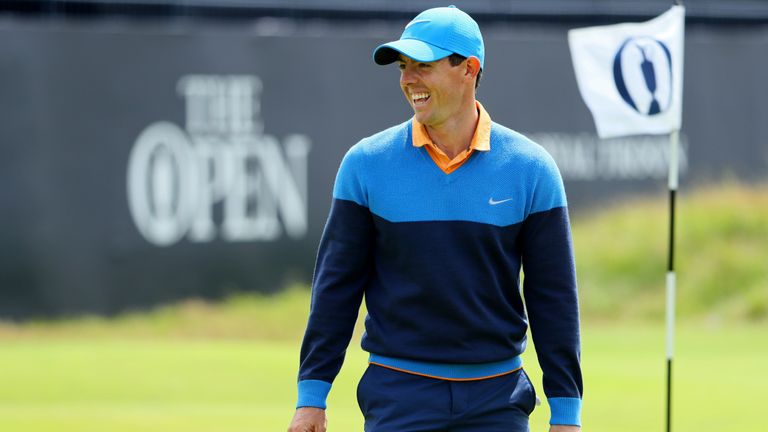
(416, 22)
(492, 202)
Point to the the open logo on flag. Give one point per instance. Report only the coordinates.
(631, 75)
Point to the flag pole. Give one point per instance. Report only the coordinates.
(674, 140)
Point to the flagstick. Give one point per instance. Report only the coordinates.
(674, 139)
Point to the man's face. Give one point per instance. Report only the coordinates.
(435, 90)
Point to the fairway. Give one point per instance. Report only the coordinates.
(203, 385)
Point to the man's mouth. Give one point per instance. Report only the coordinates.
(419, 98)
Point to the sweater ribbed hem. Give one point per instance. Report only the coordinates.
(448, 371)
(313, 393)
(565, 411)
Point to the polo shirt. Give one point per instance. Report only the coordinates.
(481, 141)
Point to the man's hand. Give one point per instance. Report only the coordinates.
(564, 428)
(308, 419)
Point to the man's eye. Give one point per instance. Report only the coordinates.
(424, 65)
(401, 66)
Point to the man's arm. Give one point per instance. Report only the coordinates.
(342, 272)
(551, 296)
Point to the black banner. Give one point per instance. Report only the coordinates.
(148, 162)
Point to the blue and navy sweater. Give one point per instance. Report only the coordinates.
(438, 258)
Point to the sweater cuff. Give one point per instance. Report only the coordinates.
(313, 393)
(565, 411)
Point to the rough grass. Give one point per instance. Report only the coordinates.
(721, 258)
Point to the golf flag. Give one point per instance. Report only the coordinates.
(631, 75)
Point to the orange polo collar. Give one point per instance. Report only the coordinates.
(481, 141)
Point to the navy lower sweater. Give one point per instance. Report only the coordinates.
(437, 258)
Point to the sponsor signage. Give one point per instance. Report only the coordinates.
(177, 176)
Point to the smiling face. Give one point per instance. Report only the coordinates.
(437, 91)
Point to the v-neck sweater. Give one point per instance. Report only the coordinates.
(438, 259)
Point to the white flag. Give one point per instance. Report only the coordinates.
(631, 75)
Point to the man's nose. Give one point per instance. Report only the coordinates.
(407, 76)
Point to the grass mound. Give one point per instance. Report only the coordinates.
(721, 258)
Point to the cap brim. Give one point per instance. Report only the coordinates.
(413, 48)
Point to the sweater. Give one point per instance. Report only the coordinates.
(437, 258)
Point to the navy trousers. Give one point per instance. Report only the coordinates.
(393, 401)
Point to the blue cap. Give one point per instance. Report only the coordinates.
(435, 34)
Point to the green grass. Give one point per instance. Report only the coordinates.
(241, 316)
(721, 258)
(236, 385)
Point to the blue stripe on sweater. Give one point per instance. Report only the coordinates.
(401, 183)
(461, 371)
(313, 393)
(565, 411)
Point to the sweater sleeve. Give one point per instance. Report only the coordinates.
(551, 295)
(341, 273)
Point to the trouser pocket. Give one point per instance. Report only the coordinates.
(523, 396)
(361, 390)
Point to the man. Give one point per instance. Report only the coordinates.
(431, 221)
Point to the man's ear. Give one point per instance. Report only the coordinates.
(473, 67)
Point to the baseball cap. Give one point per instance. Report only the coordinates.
(434, 34)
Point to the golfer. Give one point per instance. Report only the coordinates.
(431, 222)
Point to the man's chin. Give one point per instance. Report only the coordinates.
(421, 117)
